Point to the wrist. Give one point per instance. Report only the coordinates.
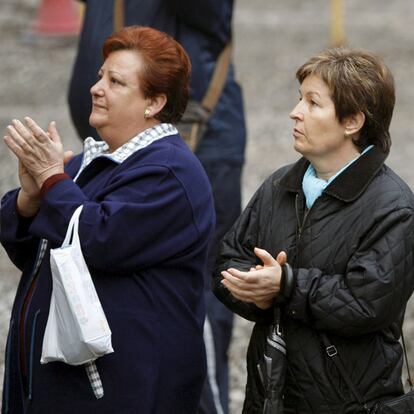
(266, 304)
(45, 175)
(26, 205)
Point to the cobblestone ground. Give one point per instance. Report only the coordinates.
(272, 39)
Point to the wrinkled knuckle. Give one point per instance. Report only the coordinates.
(26, 147)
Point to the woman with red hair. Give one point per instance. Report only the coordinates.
(145, 226)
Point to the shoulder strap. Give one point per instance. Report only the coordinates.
(221, 70)
(332, 352)
(118, 15)
(218, 79)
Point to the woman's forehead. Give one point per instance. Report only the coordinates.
(314, 84)
(126, 62)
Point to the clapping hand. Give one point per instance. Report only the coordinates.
(40, 152)
(40, 156)
(260, 284)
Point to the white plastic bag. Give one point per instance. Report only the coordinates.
(77, 331)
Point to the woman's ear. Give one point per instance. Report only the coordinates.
(354, 123)
(157, 103)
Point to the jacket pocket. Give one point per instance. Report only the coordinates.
(31, 355)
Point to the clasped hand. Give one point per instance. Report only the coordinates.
(40, 155)
(39, 152)
(260, 284)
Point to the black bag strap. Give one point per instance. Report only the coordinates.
(332, 352)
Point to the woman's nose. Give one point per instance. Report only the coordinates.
(96, 89)
(296, 113)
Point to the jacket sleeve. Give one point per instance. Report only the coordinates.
(374, 290)
(14, 231)
(140, 218)
(237, 251)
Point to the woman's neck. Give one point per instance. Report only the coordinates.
(327, 167)
(116, 137)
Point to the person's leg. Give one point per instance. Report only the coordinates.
(217, 337)
(225, 179)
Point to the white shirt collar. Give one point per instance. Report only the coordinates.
(93, 149)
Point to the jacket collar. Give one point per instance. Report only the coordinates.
(94, 149)
(350, 184)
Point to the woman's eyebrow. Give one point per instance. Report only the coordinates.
(313, 93)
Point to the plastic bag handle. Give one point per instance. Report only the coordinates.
(72, 235)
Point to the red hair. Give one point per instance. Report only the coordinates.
(166, 69)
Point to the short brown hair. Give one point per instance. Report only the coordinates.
(358, 81)
(166, 70)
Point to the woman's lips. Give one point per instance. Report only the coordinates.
(95, 105)
(297, 133)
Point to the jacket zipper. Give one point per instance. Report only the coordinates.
(301, 225)
(32, 344)
(24, 371)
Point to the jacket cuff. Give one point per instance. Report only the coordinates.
(287, 285)
(51, 181)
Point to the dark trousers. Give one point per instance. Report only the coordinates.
(225, 179)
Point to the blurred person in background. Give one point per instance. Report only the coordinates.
(145, 227)
(203, 28)
(329, 241)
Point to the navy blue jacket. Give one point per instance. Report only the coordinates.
(144, 231)
(203, 28)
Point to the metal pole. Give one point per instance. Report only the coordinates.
(337, 23)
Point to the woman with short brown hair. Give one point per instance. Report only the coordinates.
(358, 81)
(330, 241)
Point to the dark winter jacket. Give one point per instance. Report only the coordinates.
(144, 231)
(353, 259)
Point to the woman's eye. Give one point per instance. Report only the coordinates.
(313, 103)
(115, 81)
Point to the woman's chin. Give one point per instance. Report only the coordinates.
(97, 120)
(298, 148)
(93, 122)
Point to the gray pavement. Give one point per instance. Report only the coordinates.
(273, 37)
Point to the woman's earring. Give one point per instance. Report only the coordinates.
(147, 113)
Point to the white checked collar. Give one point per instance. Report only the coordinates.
(93, 149)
